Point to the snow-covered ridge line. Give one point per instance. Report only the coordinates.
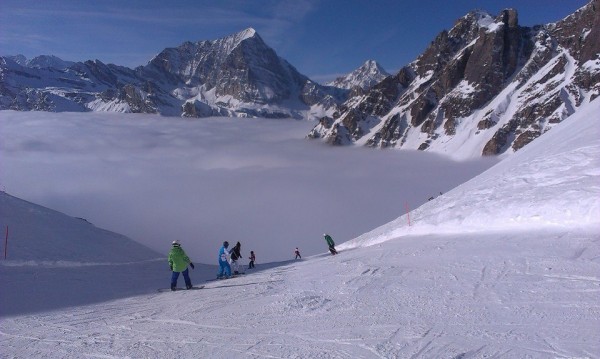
(69, 264)
(194, 79)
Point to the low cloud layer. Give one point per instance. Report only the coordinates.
(204, 181)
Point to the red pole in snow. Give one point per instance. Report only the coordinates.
(6, 242)
(407, 212)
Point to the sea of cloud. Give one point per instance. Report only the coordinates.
(202, 181)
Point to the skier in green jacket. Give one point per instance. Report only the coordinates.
(178, 262)
(330, 243)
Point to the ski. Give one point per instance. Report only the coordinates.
(225, 278)
(162, 290)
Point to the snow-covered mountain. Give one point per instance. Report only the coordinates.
(487, 86)
(25, 86)
(364, 77)
(42, 61)
(505, 265)
(238, 75)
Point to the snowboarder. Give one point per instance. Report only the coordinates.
(330, 243)
(236, 254)
(252, 259)
(297, 253)
(178, 263)
(225, 269)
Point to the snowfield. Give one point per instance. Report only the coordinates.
(506, 265)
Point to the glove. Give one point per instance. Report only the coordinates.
(171, 268)
(192, 265)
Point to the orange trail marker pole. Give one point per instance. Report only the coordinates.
(6, 242)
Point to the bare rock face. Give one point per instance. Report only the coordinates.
(488, 84)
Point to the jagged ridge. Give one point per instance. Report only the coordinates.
(487, 86)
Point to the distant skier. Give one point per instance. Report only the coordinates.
(178, 262)
(252, 259)
(236, 254)
(330, 243)
(433, 197)
(225, 269)
(297, 253)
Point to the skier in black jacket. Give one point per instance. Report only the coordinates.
(236, 254)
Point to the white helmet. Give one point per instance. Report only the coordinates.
(176, 243)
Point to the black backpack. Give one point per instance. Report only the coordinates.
(235, 254)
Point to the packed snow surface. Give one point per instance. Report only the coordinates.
(506, 265)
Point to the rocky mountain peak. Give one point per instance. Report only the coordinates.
(580, 32)
(509, 17)
(364, 77)
(237, 75)
(47, 61)
(449, 43)
(245, 34)
(19, 59)
(41, 62)
(371, 67)
(477, 16)
(231, 42)
(469, 25)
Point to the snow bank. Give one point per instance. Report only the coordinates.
(553, 182)
(38, 236)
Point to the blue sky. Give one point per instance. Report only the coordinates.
(322, 39)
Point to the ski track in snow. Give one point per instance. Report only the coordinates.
(496, 297)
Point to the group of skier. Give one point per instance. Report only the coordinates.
(228, 259)
(330, 244)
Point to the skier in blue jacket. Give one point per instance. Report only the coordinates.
(225, 269)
